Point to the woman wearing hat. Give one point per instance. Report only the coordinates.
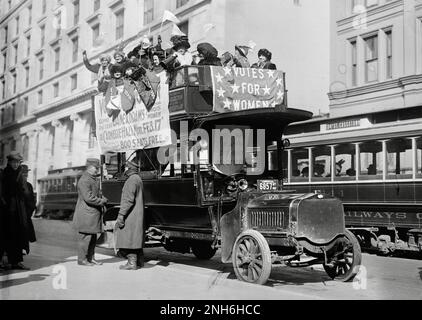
(208, 55)
(264, 62)
(241, 56)
(102, 70)
(180, 56)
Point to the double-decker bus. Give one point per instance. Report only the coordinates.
(373, 163)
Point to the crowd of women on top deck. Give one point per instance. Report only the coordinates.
(146, 57)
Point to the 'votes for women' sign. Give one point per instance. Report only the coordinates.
(125, 124)
(237, 89)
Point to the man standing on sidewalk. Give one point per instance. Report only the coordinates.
(130, 233)
(87, 217)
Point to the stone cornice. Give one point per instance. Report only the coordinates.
(371, 12)
(12, 11)
(376, 87)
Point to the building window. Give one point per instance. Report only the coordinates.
(40, 97)
(57, 59)
(4, 61)
(91, 138)
(29, 16)
(41, 66)
(14, 82)
(42, 30)
(354, 63)
(25, 106)
(180, 3)
(75, 49)
(120, 24)
(148, 11)
(3, 89)
(371, 59)
(97, 5)
(95, 34)
(25, 147)
(70, 129)
(44, 6)
(13, 112)
(53, 141)
(76, 9)
(56, 89)
(74, 82)
(59, 24)
(17, 25)
(27, 76)
(13, 145)
(28, 45)
(6, 34)
(389, 38)
(15, 47)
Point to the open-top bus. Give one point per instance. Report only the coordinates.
(240, 206)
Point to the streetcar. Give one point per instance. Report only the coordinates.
(373, 163)
(242, 207)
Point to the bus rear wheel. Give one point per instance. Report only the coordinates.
(346, 267)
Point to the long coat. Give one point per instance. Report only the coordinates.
(87, 216)
(132, 235)
(16, 223)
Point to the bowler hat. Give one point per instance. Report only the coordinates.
(14, 155)
(93, 162)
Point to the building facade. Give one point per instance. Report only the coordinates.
(376, 56)
(45, 91)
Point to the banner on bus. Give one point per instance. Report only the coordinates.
(124, 123)
(237, 89)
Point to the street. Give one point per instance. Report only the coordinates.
(170, 276)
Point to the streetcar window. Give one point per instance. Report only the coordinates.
(399, 159)
(371, 160)
(419, 157)
(321, 163)
(345, 156)
(300, 165)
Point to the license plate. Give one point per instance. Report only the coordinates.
(267, 185)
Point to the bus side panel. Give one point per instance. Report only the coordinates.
(371, 192)
(398, 192)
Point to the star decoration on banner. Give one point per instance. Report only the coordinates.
(227, 71)
(271, 73)
(221, 92)
(227, 104)
(219, 77)
(279, 82)
(266, 90)
(235, 88)
(280, 95)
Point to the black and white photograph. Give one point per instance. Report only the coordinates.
(220, 153)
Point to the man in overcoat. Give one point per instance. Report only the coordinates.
(88, 212)
(130, 233)
(16, 227)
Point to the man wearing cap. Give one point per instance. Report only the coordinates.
(130, 233)
(15, 220)
(87, 216)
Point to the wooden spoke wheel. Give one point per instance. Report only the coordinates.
(251, 257)
(346, 267)
(203, 250)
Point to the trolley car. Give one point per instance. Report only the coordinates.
(253, 218)
(376, 161)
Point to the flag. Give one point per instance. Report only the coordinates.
(237, 89)
(176, 31)
(168, 16)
